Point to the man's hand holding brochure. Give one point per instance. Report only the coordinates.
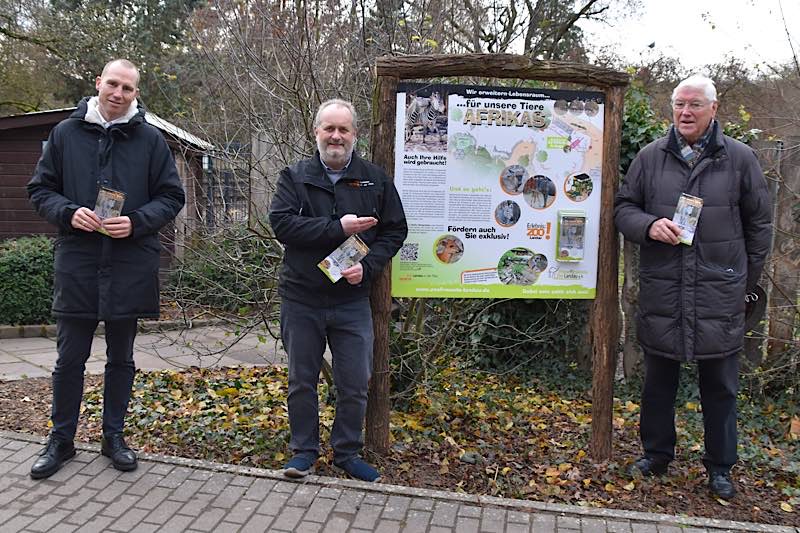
(346, 256)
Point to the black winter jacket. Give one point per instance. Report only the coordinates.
(98, 277)
(305, 215)
(691, 299)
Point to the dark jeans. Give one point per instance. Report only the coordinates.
(347, 328)
(719, 384)
(74, 346)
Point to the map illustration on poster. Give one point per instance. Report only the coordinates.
(501, 188)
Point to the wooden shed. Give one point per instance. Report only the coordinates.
(22, 138)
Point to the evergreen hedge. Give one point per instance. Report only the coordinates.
(26, 280)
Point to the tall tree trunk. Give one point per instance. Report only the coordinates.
(769, 156)
(783, 316)
(631, 351)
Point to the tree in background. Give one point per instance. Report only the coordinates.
(23, 46)
(640, 127)
(51, 50)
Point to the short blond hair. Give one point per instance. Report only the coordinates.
(122, 62)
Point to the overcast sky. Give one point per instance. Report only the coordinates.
(699, 32)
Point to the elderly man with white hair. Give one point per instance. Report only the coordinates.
(692, 296)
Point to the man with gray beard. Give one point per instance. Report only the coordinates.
(318, 204)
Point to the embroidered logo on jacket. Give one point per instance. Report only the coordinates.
(361, 183)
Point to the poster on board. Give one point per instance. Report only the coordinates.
(486, 175)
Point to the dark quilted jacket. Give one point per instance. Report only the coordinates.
(691, 300)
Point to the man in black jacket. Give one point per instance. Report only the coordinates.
(692, 296)
(318, 204)
(105, 269)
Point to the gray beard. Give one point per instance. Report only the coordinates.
(333, 161)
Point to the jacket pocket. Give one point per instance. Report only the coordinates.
(720, 291)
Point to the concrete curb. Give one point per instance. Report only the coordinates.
(483, 501)
(145, 326)
(16, 332)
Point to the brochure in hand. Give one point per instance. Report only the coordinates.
(108, 205)
(687, 213)
(346, 255)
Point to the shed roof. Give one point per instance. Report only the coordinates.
(53, 116)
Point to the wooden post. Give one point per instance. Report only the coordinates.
(498, 66)
(783, 313)
(378, 405)
(604, 318)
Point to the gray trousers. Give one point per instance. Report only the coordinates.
(347, 328)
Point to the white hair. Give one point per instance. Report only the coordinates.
(698, 81)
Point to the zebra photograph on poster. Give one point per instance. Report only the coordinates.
(426, 120)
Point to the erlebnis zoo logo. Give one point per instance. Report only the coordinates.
(566, 273)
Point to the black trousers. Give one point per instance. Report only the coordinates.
(74, 342)
(719, 384)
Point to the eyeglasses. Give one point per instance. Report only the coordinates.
(693, 106)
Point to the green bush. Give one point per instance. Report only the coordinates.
(26, 280)
(640, 126)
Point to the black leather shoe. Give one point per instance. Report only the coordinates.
(122, 457)
(54, 454)
(721, 485)
(648, 466)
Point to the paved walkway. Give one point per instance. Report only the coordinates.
(172, 494)
(30, 357)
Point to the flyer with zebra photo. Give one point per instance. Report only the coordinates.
(483, 173)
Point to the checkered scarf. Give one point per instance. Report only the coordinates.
(691, 153)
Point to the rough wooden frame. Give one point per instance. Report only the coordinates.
(604, 317)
